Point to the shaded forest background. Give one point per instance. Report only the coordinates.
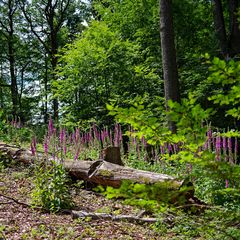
(69, 58)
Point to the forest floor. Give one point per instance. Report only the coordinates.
(19, 221)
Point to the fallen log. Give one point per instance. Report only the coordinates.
(104, 173)
(106, 216)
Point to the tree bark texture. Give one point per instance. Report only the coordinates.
(112, 155)
(234, 38)
(11, 56)
(229, 43)
(220, 27)
(170, 73)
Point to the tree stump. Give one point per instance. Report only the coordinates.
(112, 155)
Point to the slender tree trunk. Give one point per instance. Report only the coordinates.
(234, 38)
(54, 51)
(55, 100)
(1, 88)
(220, 27)
(14, 90)
(46, 91)
(170, 73)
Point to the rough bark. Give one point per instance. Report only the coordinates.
(220, 27)
(112, 155)
(170, 73)
(229, 43)
(11, 55)
(234, 38)
(102, 172)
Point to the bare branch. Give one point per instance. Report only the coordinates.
(29, 20)
(4, 85)
(106, 216)
(63, 11)
(5, 28)
(15, 200)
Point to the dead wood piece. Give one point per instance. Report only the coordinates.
(110, 174)
(102, 172)
(15, 200)
(112, 155)
(106, 216)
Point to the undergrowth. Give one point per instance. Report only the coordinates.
(51, 191)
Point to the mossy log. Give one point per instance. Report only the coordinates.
(100, 171)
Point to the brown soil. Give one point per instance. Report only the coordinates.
(19, 221)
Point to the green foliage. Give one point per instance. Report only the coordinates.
(191, 120)
(210, 182)
(228, 196)
(147, 196)
(208, 175)
(2, 123)
(226, 75)
(50, 190)
(214, 223)
(14, 133)
(148, 121)
(98, 66)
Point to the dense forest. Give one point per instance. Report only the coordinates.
(147, 85)
(69, 58)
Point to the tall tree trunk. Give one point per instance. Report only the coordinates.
(46, 91)
(11, 56)
(14, 91)
(54, 51)
(170, 73)
(234, 38)
(220, 27)
(1, 88)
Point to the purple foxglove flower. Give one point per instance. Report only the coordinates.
(218, 148)
(144, 142)
(236, 146)
(34, 146)
(110, 137)
(54, 131)
(77, 135)
(209, 134)
(65, 149)
(226, 183)
(72, 138)
(77, 154)
(138, 150)
(102, 137)
(95, 131)
(134, 141)
(45, 146)
(218, 143)
(50, 127)
(162, 150)
(209, 139)
(62, 135)
(169, 148)
(90, 135)
(175, 148)
(224, 143)
(33, 150)
(235, 150)
(229, 144)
